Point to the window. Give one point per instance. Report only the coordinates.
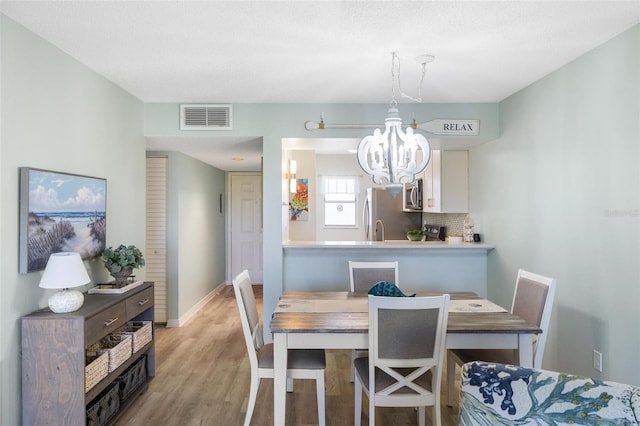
(340, 201)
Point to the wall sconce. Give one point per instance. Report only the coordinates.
(291, 175)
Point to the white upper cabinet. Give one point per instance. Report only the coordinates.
(446, 183)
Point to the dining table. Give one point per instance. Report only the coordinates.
(340, 320)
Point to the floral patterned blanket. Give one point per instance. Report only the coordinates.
(498, 394)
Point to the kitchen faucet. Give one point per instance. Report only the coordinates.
(375, 226)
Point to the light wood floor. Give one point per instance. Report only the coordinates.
(202, 378)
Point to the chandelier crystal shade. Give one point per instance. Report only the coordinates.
(394, 157)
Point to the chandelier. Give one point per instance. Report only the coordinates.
(394, 157)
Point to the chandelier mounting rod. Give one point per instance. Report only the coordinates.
(321, 125)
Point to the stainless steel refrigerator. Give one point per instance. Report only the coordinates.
(382, 210)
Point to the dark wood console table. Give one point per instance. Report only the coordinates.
(53, 355)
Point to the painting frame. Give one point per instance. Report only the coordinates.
(59, 211)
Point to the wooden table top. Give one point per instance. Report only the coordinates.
(343, 312)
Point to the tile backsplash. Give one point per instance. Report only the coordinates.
(453, 221)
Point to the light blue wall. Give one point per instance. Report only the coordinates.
(274, 122)
(58, 115)
(196, 240)
(321, 269)
(195, 233)
(557, 193)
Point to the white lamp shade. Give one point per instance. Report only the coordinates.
(64, 270)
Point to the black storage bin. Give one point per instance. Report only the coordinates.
(104, 406)
(133, 378)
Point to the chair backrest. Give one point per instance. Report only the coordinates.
(364, 275)
(407, 341)
(533, 300)
(249, 316)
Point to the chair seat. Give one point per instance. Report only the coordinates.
(307, 359)
(502, 356)
(383, 379)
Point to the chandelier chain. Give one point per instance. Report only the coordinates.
(396, 84)
(394, 61)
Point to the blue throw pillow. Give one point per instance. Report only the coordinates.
(385, 288)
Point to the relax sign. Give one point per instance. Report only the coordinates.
(452, 127)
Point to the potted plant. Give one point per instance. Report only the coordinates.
(415, 234)
(121, 261)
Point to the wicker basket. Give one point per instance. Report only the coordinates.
(96, 368)
(133, 378)
(140, 332)
(103, 407)
(118, 346)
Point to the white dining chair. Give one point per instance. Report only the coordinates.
(363, 276)
(301, 363)
(406, 354)
(532, 301)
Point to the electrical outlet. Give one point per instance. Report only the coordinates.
(597, 360)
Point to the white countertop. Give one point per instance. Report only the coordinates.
(389, 244)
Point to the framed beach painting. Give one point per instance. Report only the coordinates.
(60, 212)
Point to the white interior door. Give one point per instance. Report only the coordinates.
(156, 233)
(246, 225)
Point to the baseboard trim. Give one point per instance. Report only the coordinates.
(188, 316)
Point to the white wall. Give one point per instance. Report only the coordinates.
(313, 166)
(558, 193)
(58, 115)
(305, 230)
(342, 165)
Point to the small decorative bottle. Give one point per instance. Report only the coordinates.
(467, 230)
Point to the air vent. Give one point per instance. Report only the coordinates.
(206, 117)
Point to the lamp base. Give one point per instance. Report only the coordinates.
(66, 301)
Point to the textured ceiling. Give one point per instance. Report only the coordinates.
(322, 51)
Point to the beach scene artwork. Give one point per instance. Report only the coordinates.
(60, 212)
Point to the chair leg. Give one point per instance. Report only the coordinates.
(353, 369)
(437, 415)
(372, 411)
(421, 414)
(320, 397)
(451, 378)
(357, 403)
(253, 393)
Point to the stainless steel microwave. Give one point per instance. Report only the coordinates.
(413, 195)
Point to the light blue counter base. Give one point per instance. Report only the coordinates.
(322, 268)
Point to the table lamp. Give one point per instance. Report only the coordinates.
(65, 270)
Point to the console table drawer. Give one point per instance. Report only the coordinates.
(105, 322)
(139, 303)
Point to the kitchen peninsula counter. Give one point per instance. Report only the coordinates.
(387, 245)
(423, 265)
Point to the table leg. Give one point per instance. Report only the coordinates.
(279, 378)
(525, 349)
